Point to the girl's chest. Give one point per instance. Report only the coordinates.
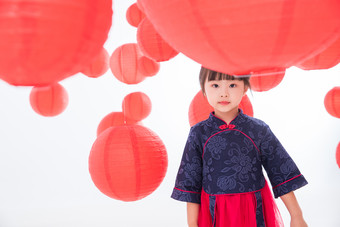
(231, 161)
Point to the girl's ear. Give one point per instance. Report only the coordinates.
(245, 89)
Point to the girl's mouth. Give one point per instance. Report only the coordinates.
(224, 103)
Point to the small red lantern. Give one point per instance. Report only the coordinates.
(147, 66)
(98, 66)
(338, 155)
(136, 106)
(43, 42)
(266, 80)
(332, 102)
(239, 37)
(324, 60)
(134, 15)
(200, 108)
(114, 119)
(128, 162)
(49, 101)
(152, 44)
(124, 64)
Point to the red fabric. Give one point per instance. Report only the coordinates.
(239, 210)
(271, 211)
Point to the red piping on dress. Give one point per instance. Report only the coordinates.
(227, 130)
(286, 181)
(230, 130)
(187, 191)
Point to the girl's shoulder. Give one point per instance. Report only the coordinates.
(254, 122)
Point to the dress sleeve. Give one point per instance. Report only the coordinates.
(188, 184)
(283, 173)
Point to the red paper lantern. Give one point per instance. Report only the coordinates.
(266, 80)
(43, 42)
(332, 102)
(128, 162)
(338, 155)
(152, 44)
(324, 60)
(134, 15)
(124, 64)
(140, 6)
(147, 66)
(239, 37)
(200, 108)
(98, 66)
(136, 106)
(114, 119)
(49, 101)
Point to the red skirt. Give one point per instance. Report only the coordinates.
(240, 210)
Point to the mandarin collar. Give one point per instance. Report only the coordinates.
(224, 125)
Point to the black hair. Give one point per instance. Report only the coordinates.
(214, 75)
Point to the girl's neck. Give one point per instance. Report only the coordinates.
(227, 116)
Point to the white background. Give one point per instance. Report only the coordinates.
(44, 178)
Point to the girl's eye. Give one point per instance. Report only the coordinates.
(215, 85)
(232, 85)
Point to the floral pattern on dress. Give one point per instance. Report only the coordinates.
(216, 145)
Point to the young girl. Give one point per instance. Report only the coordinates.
(220, 175)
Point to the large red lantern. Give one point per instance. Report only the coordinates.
(49, 101)
(338, 155)
(134, 15)
(98, 66)
(114, 119)
(43, 42)
(332, 102)
(152, 44)
(200, 108)
(239, 37)
(124, 64)
(128, 162)
(136, 106)
(266, 80)
(324, 60)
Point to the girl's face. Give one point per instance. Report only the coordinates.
(225, 95)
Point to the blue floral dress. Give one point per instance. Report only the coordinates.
(226, 159)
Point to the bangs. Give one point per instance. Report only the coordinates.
(212, 75)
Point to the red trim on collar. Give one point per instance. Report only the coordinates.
(230, 126)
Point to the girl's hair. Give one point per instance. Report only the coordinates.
(213, 75)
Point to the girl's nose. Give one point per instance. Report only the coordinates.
(224, 92)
